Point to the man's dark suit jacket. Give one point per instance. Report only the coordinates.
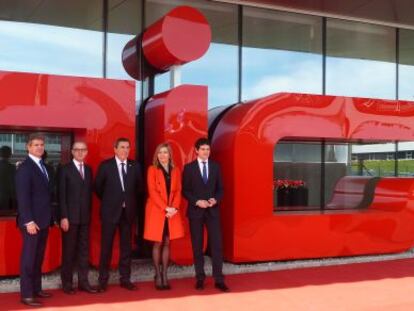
(34, 194)
(75, 194)
(194, 188)
(108, 187)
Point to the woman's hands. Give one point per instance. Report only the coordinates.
(170, 211)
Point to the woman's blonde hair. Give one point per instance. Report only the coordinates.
(155, 161)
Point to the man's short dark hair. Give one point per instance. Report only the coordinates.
(35, 136)
(121, 140)
(201, 141)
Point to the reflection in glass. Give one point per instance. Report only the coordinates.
(218, 68)
(297, 175)
(7, 173)
(405, 156)
(281, 53)
(352, 171)
(360, 60)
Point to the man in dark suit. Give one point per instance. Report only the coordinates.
(203, 189)
(34, 194)
(75, 198)
(117, 184)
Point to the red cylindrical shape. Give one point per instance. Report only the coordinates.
(181, 36)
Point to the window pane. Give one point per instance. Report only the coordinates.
(360, 60)
(297, 175)
(406, 65)
(218, 68)
(281, 53)
(405, 158)
(56, 37)
(352, 171)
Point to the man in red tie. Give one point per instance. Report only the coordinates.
(75, 198)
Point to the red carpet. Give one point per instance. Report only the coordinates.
(370, 286)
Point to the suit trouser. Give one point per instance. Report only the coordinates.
(31, 260)
(215, 243)
(75, 245)
(107, 239)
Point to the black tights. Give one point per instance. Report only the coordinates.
(161, 259)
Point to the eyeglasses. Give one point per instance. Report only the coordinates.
(80, 150)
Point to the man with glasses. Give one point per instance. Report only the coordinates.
(75, 198)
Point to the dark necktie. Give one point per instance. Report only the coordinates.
(42, 165)
(123, 174)
(205, 179)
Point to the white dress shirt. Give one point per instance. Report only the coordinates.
(78, 166)
(37, 161)
(201, 165)
(119, 165)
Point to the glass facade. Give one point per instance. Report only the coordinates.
(360, 60)
(281, 52)
(254, 52)
(54, 37)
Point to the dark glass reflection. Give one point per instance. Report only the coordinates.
(7, 173)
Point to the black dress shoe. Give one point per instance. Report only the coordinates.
(221, 286)
(128, 286)
(68, 290)
(31, 302)
(89, 289)
(43, 294)
(102, 288)
(199, 285)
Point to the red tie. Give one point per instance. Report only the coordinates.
(81, 170)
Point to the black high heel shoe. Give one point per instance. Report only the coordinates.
(165, 283)
(158, 283)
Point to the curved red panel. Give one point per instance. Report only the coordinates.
(245, 138)
(94, 110)
(178, 116)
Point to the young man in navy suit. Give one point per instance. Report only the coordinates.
(34, 200)
(203, 189)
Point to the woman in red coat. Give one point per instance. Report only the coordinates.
(163, 221)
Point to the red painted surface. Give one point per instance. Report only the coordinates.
(244, 142)
(94, 110)
(178, 116)
(179, 37)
